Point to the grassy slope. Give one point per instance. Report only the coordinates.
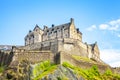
(92, 73)
(43, 69)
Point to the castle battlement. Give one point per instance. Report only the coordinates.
(48, 43)
(65, 37)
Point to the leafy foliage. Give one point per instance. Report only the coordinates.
(92, 73)
(2, 68)
(42, 69)
(83, 58)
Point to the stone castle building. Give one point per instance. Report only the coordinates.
(65, 37)
(67, 30)
(56, 43)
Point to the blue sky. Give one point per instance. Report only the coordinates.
(98, 20)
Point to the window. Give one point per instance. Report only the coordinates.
(52, 29)
(55, 31)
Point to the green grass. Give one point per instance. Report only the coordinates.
(92, 73)
(83, 58)
(2, 68)
(42, 69)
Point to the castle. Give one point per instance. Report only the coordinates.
(55, 43)
(65, 37)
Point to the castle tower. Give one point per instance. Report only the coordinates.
(34, 36)
(74, 33)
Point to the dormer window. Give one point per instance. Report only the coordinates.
(52, 29)
(30, 31)
(47, 30)
(55, 31)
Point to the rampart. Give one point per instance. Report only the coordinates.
(68, 45)
(5, 57)
(83, 64)
(33, 56)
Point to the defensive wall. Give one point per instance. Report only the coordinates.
(68, 45)
(12, 57)
(80, 63)
(5, 57)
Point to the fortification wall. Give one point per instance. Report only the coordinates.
(5, 57)
(51, 45)
(71, 46)
(68, 45)
(32, 56)
(85, 65)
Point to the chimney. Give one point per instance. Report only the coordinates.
(71, 20)
(77, 30)
(30, 31)
(53, 25)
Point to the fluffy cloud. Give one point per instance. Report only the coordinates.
(103, 26)
(112, 26)
(118, 35)
(92, 28)
(114, 22)
(111, 56)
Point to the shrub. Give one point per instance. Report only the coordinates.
(92, 73)
(2, 68)
(42, 69)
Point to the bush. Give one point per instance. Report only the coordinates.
(92, 73)
(42, 69)
(2, 68)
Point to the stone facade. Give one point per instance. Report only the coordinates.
(33, 56)
(47, 44)
(67, 30)
(65, 37)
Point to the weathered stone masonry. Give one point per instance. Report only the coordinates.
(47, 43)
(65, 37)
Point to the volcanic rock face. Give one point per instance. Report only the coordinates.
(19, 72)
(62, 73)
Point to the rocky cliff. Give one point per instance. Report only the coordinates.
(47, 71)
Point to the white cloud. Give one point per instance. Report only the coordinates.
(115, 64)
(114, 22)
(118, 35)
(111, 56)
(103, 26)
(112, 26)
(92, 28)
(115, 27)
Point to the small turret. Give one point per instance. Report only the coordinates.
(71, 20)
(45, 28)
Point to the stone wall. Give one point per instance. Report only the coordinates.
(6, 57)
(83, 64)
(117, 70)
(71, 46)
(51, 45)
(33, 56)
(68, 45)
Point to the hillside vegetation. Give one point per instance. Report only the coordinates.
(47, 71)
(66, 71)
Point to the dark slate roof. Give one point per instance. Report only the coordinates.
(93, 45)
(55, 28)
(5, 47)
(36, 26)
